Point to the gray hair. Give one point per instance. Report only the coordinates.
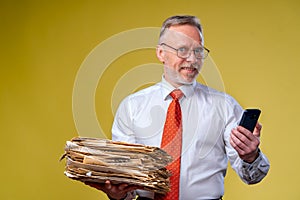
(180, 20)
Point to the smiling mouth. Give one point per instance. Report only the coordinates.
(190, 69)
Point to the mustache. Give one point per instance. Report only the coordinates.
(192, 66)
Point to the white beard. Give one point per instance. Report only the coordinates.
(175, 77)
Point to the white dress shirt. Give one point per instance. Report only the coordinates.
(208, 116)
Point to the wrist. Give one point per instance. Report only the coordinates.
(253, 157)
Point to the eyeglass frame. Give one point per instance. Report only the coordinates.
(190, 51)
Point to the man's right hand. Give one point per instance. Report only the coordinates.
(114, 191)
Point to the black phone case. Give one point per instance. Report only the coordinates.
(249, 119)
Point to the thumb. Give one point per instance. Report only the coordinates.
(257, 129)
(108, 185)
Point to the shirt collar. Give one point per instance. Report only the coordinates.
(167, 88)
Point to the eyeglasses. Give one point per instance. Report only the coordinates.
(184, 52)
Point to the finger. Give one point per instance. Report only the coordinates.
(242, 150)
(258, 126)
(236, 143)
(236, 147)
(241, 137)
(245, 132)
(108, 185)
(257, 129)
(122, 186)
(245, 140)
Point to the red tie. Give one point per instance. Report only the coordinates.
(171, 143)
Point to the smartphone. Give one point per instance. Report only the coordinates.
(249, 119)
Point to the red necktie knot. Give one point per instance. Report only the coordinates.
(176, 94)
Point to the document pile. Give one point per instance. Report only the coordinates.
(98, 160)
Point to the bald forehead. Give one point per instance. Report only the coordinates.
(182, 34)
(188, 30)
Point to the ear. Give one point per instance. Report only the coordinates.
(160, 53)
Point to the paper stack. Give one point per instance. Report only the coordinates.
(98, 160)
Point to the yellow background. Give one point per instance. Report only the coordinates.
(255, 45)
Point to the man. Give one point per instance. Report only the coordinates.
(207, 130)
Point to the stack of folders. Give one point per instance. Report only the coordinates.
(98, 160)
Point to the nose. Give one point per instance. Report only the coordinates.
(192, 57)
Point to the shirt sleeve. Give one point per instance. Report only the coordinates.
(254, 172)
(250, 173)
(122, 129)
